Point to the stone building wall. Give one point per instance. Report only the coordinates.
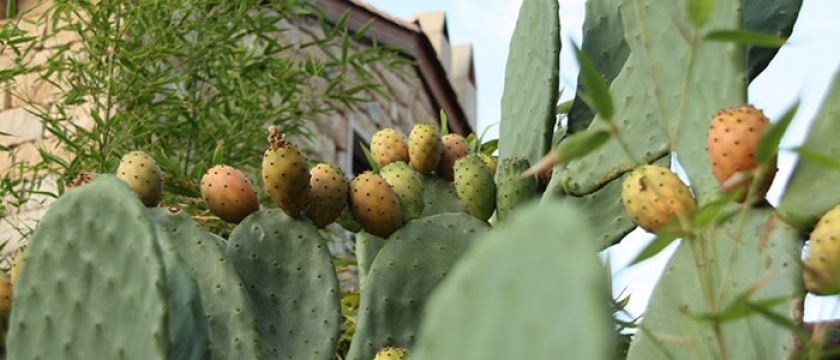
(333, 136)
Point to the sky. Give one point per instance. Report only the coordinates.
(803, 69)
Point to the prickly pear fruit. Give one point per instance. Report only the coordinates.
(83, 178)
(424, 148)
(653, 196)
(6, 289)
(387, 146)
(391, 353)
(17, 262)
(375, 205)
(228, 193)
(731, 143)
(284, 174)
(408, 185)
(327, 194)
(820, 270)
(454, 148)
(142, 175)
(490, 161)
(513, 189)
(475, 187)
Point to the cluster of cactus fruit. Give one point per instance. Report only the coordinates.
(455, 260)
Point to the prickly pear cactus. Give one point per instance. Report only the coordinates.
(500, 300)
(407, 268)
(328, 190)
(228, 193)
(375, 205)
(475, 186)
(439, 197)
(290, 277)
(367, 246)
(424, 148)
(387, 146)
(230, 314)
(284, 173)
(142, 174)
(454, 147)
(820, 267)
(513, 189)
(96, 250)
(408, 185)
(654, 196)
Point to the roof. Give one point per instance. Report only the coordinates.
(390, 30)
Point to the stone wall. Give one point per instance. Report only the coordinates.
(333, 136)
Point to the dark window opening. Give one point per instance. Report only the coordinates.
(360, 163)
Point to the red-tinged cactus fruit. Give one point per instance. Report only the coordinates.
(424, 148)
(731, 143)
(653, 196)
(375, 205)
(328, 190)
(820, 268)
(387, 146)
(454, 148)
(142, 174)
(285, 175)
(228, 193)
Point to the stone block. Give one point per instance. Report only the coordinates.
(21, 126)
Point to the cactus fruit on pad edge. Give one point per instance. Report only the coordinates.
(230, 314)
(289, 274)
(403, 274)
(97, 252)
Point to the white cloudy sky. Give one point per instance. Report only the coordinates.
(803, 69)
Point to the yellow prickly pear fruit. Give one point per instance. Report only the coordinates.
(731, 143)
(424, 148)
(375, 205)
(228, 193)
(820, 270)
(653, 196)
(285, 175)
(391, 353)
(142, 174)
(387, 146)
(327, 194)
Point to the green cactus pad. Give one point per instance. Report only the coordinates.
(531, 82)
(802, 205)
(765, 258)
(406, 270)
(656, 94)
(513, 189)
(367, 246)
(439, 196)
(289, 274)
(227, 307)
(93, 284)
(533, 288)
(774, 17)
(604, 44)
(188, 330)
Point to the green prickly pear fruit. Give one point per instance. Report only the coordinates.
(653, 196)
(387, 146)
(490, 161)
(375, 205)
(513, 188)
(391, 353)
(820, 268)
(327, 194)
(424, 148)
(454, 148)
(17, 262)
(475, 187)
(731, 143)
(285, 175)
(408, 185)
(6, 290)
(228, 193)
(143, 175)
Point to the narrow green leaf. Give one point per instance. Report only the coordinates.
(817, 158)
(444, 123)
(581, 144)
(564, 107)
(741, 307)
(664, 237)
(11, 9)
(473, 143)
(489, 147)
(596, 88)
(218, 153)
(373, 165)
(711, 212)
(746, 37)
(780, 320)
(362, 30)
(768, 145)
(699, 11)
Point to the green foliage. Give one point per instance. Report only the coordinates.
(403, 274)
(194, 83)
(531, 82)
(501, 299)
(289, 274)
